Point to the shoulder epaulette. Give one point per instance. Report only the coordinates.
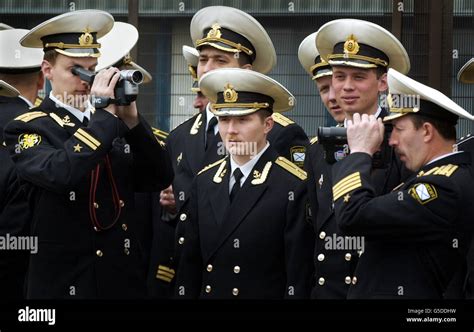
(446, 170)
(27, 117)
(212, 165)
(314, 140)
(281, 119)
(291, 167)
(160, 133)
(38, 101)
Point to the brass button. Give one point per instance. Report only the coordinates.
(99, 253)
(209, 268)
(208, 289)
(236, 269)
(322, 235)
(321, 281)
(126, 251)
(348, 257)
(122, 203)
(354, 280)
(96, 205)
(183, 217)
(124, 227)
(235, 291)
(320, 257)
(347, 280)
(181, 240)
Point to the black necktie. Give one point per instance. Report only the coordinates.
(85, 121)
(236, 187)
(210, 136)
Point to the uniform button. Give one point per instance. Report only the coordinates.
(126, 251)
(348, 257)
(181, 240)
(235, 291)
(354, 280)
(348, 280)
(183, 217)
(236, 269)
(322, 235)
(96, 205)
(99, 253)
(320, 257)
(96, 229)
(321, 281)
(209, 268)
(332, 205)
(208, 289)
(124, 227)
(122, 203)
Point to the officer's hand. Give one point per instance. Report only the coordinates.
(128, 114)
(104, 84)
(365, 134)
(167, 200)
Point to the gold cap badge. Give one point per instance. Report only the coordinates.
(86, 38)
(215, 31)
(230, 95)
(351, 46)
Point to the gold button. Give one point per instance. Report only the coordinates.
(354, 280)
(348, 257)
(124, 227)
(321, 281)
(126, 251)
(181, 240)
(96, 205)
(209, 268)
(99, 253)
(236, 269)
(235, 291)
(208, 289)
(183, 217)
(320, 257)
(347, 280)
(322, 235)
(122, 203)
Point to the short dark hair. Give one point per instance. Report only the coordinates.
(445, 129)
(380, 70)
(244, 59)
(263, 114)
(50, 56)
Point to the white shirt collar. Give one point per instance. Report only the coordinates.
(443, 156)
(74, 111)
(209, 116)
(29, 103)
(246, 168)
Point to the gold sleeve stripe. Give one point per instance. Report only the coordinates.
(211, 165)
(314, 140)
(291, 167)
(281, 119)
(446, 170)
(347, 184)
(160, 133)
(165, 274)
(164, 278)
(27, 117)
(87, 139)
(165, 268)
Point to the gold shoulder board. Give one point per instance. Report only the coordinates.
(27, 117)
(314, 140)
(211, 165)
(160, 133)
(290, 167)
(281, 119)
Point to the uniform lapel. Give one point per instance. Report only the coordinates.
(246, 199)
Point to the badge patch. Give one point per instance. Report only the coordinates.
(423, 193)
(28, 140)
(298, 154)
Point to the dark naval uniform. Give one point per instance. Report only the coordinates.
(258, 246)
(416, 237)
(335, 265)
(186, 147)
(14, 211)
(81, 182)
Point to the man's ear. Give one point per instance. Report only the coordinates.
(429, 132)
(268, 123)
(47, 68)
(383, 84)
